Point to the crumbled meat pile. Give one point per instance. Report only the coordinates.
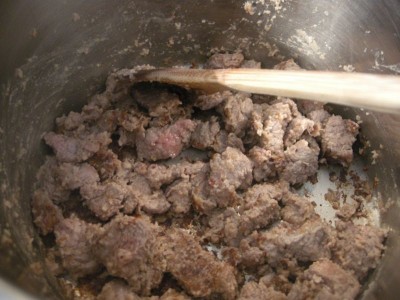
(162, 193)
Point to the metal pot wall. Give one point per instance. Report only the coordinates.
(55, 53)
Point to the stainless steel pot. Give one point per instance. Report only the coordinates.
(55, 53)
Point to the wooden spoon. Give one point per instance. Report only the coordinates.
(371, 91)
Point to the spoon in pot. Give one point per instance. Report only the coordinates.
(370, 91)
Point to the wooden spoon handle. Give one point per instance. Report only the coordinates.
(375, 92)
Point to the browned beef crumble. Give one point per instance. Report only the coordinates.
(227, 224)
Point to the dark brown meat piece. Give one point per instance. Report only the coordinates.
(179, 195)
(358, 248)
(229, 171)
(301, 162)
(325, 280)
(165, 142)
(119, 290)
(127, 248)
(309, 242)
(236, 112)
(46, 215)
(74, 239)
(194, 268)
(206, 102)
(259, 291)
(224, 61)
(224, 140)
(131, 119)
(338, 137)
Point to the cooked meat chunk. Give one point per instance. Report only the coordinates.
(174, 295)
(264, 167)
(301, 162)
(50, 182)
(131, 120)
(338, 138)
(204, 135)
(74, 239)
(179, 195)
(325, 280)
(119, 290)
(224, 61)
(288, 65)
(154, 203)
(74, 176)
(46, 214)
(296, 128)
(236, 112)
(201, 191)
(251, 64)
(104, 200)
(229, 171)
(76, 149)
(297, 209)
(259, 209)
(165, 142)
(309, 242)
(106, 164)
(318, 116)
(206, 102)
(358, 248)
(259, 291)
(127, 248)
(194, 268)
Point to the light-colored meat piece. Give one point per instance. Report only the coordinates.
(289, 65)
(171, 294)
(126, 248)
(319, 115)
(166, 142)
(49, 181)
(224, 61)
(297, 127)
(309, 242)
(46, 215)
(236, 112)
(301, 162)
(297, 209)
(74, 239)
(250, 64)
(264, 167)
(204, 135)
(179, 195)
(325, 280)
(104, 200)
(76, 149)
(74, 176)
(224, 140)
(194, 268)
(155, 203)
(229, 171)
(70, 122)
(206, 102)
(338, 137)
(358, 248)
(259, 291)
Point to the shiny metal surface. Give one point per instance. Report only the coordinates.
(63, 50)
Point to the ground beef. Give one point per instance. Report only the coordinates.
(158, 192)
(325, 280)
(224, 61)
(46, 214)
(358, 248)
(127, 248)
(194, 268)
(337, 139)
(74, 239)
